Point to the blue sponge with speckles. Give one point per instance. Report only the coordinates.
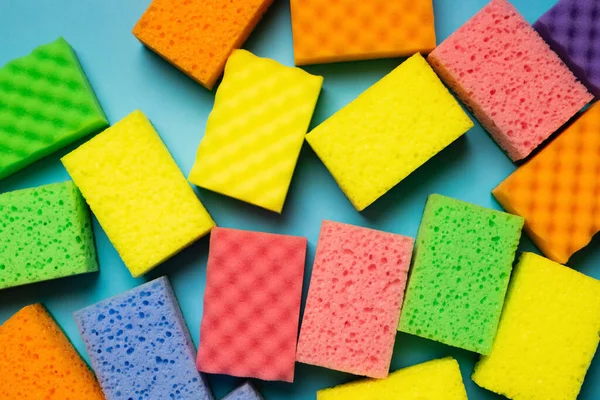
(244, 392)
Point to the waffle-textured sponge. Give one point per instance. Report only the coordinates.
(37, 361)
(330, 31)
(548, 333)
(252, 304)
(389, 131)
(138, 193)
(463, 260)
(244, 392)
(140, 347)
(558, 190)
(432, 380)
(198, 36)
(45, 233)
(256, 129)
(46, 103)
(354, 299)
(516, 86)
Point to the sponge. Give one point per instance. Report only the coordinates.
(330, 31)
(46, 103)
(45, 233)
(244, 392)
(198, 36)
(256, 129)
(37, 361)
(463, 259)
(517, 87)
(389, 131)
(138, 193)
(548, 333)
(354, 299)
(558, 191)
(252, 304)
(432, 380)
(140, 347)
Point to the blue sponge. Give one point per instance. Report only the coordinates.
(140, 347)
(244, 392)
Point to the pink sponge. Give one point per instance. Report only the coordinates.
(354, 300)
(517, 87)
(252, 304)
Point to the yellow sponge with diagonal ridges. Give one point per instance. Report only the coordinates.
(138, 193)
(256, 129)
(389, 131)
(548, 333)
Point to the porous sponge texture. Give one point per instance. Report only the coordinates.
(45, 233)
(463, 260)
(140, 347)
(46, 103)
(255, 131)
(198, 36)
(547, 336)
(517, 87)
(389, 131)
(558, 190)
(138, 193)
(244, 392)
(432, 380)
(252, 304)
(354, 299)
(331, 31)
(37, 361)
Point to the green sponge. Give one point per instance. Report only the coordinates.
(46, 103)
(463, 260)
(45, 233)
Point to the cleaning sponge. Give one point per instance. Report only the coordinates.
(256, 129)
(244, 392)
(389, 131)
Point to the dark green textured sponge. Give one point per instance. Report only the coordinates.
(46, 103)
(45, 233)
(462, 265)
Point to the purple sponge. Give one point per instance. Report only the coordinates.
(140, 347)
(244, 392)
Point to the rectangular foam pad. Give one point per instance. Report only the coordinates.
(244, 392)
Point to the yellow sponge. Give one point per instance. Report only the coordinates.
(256, 129)
(548, 333)
(389, 131)
(138, 193)
(433, 380)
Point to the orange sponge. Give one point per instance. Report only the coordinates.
(198, 36)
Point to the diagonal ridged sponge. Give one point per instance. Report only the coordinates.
(140, 347)
(463, 260)
(516, 86)
(138, 193)
(45, 233)
(343, 30)
(432, 380)
(256, 129)
(548, 333)
(389, 131)
(46, 103)
(558, 190)
(244, 392)
(37, 361)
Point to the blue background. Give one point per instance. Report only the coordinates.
(126, 76)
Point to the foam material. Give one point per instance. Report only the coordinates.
(548, 333)
(140, 347)
(198, 36)
(37, 361)
(46, 103)
(138, 193)
(256, 130)
(389, 131)
(244, 392)
(45, 233)
(331, 31)
(252, 304)
(558, 191)
(516, 86)
(463, 260)
(354, 299)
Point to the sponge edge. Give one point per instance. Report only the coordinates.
(244, 392)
